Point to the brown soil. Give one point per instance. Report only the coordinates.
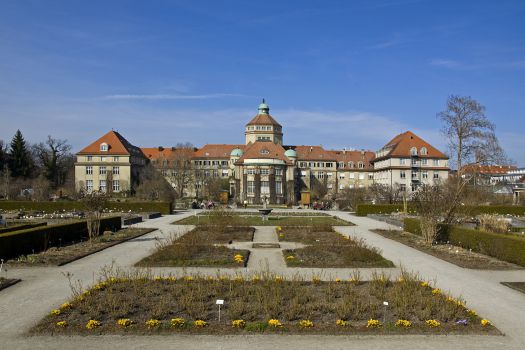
(62, 255)
(329, 249)
(450, 253)
(143, 298)
(201, 247)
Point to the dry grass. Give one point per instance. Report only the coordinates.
(327, 248)
(139, 296)
(493, 223)
(200, 247)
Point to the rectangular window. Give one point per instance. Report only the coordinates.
(251, 187)
(224, 172)
(414, 161)
(116, 170)
(250, 171)
(89, 185)
(424, 161)
(341, 187)
(102, 186)
(402, 161)
(265, 187)
(89, 170)
(330, 174)
(330, 186)
(370, 176)
(341, 175)
(403, 187)
(402, 174)
(414, 175)
(102, 159)
(224, 163)
(89, 158)
(351, 175)
(116, 185)
(278, 187)
(102, 170)
(361, 176)
(435, 162)
(320, 175)
(436, 175)
(425, 174)
(265, 171)
(279, 172)
(164, 172)
(115, 159)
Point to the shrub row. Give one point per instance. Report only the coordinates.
(21, 227)
(38, 239)
(49, 207)
(506, 247)
(131, 221)
(365, 209)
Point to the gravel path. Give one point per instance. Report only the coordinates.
(42, 289)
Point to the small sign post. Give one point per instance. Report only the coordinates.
(385, 304)
(219, 302)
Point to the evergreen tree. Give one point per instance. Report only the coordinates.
(20, 161)
(3, 155)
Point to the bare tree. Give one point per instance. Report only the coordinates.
(386, 194)
(153, 186)
(94, 204)
(470, 134)
(53, 156)
(351, 197)
(213, 186)
(181, 170)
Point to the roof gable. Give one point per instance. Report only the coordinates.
(263, 150)
(263, 119)
(401, 145)
(117, 144)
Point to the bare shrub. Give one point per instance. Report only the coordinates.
(493, 223)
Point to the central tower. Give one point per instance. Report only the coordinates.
(263, 127)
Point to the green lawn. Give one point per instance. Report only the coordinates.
(239, 220)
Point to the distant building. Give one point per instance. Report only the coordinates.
(409, 161)
(110, 164)
(264, 168)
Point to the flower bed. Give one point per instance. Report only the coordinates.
(327, 248)
(201, 247)
(252, 220)
(141, 303)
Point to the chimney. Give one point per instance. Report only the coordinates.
(344, 150)
(161, 148)
(311, 148)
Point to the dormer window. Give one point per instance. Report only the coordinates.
(413, 151)
(423, 151)
(104, 147)
(350, 164)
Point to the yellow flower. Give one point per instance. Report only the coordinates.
(401, 280)
(66, 306)
(256, 278)
(373, 324)
(61, 324)
(290, 257)
(92, 324)
(316, 280)
(210, 278)
(238, 258)
(188, 278)
(177, 322)
(152, 323)
(436, 291)
(100, 286)
(157, 278)
(433, 323)
(341, 323)
(55, 312)
(200, 323)
(472, 313)
(424, 284)
(223, 278)
(274, 323)
(238, 323)
(353, 280)
(171, 278)
(124, 322)
(238, 279)
(485, 322)
(337, 280)
(306, 324)
(279, 228)
(403, 323)
(278, 278)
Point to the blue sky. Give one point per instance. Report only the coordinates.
(335, 73)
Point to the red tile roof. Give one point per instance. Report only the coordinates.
(347, 156)
(117, 145)
(312, 153)
(264, 150)
(170, 153)
(488, 169)
(263, 119)
(216, 151)
(401, 145)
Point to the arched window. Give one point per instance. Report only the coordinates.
(104, 147)
(413, 151)
(350, 164)
(361, 165)
(423, 151)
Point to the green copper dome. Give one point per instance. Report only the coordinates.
(290, 153)
(236, 152)
(264, 108)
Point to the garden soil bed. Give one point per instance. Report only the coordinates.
(61, 256)
(8, 282)
(329, 249)
(450, 253)
(203, 247)
(252, 220)
(140, 298)
(519, 286)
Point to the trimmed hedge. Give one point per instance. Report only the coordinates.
(49, 207)
(365, 209)
(38, 239)
(21, 227)
(506, 247)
